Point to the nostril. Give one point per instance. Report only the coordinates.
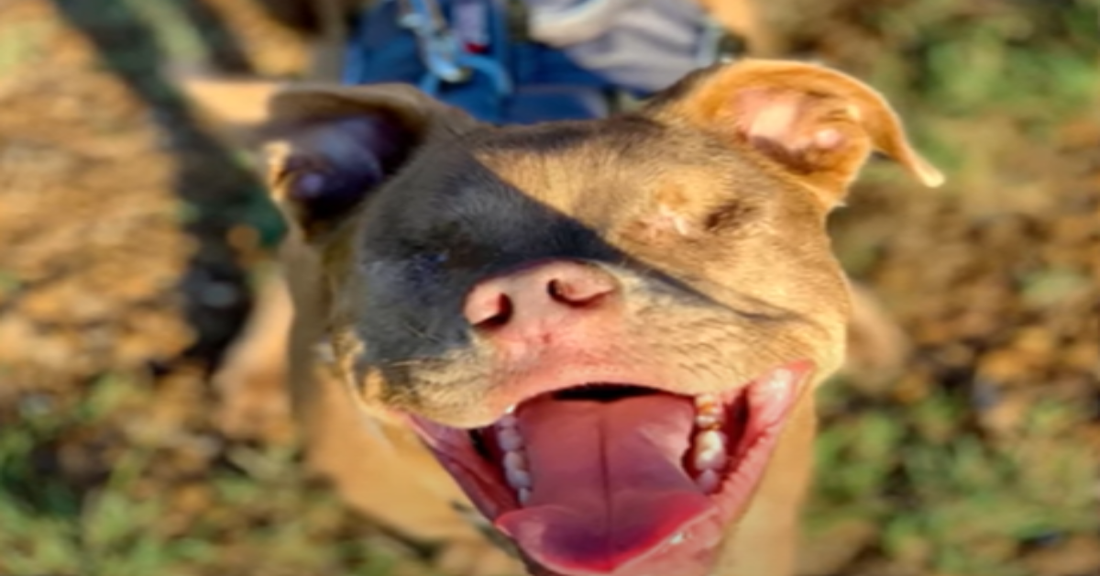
(557, 291)
(577, 293)
(503, 314)
(491, 312)
(532, 295)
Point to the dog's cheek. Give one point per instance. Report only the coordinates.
(366, 387)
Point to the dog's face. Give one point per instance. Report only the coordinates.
(602, 329)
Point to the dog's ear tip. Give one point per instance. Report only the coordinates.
(923, 170)
(932, 177)
(935, 181)
(817, 122)
(231, 101)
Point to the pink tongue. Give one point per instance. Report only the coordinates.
(608, 481)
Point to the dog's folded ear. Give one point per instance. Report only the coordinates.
(815, 124)
(330, 146)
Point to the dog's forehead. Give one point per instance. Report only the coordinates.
(568, 155)
(592, 167)
(571, 187)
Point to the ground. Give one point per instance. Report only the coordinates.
(130, 236)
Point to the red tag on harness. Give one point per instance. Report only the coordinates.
(471, 25)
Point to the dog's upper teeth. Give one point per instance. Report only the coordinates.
(706, 421)
(780, 380)
(708, 411)
(707, 402)
(523, 495)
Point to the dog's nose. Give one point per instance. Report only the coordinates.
(538, 296)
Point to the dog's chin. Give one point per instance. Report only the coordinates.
(617, 478)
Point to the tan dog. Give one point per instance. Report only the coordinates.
(608, 333)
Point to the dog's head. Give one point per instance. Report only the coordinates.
(605, 330)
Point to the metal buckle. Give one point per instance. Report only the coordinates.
(717, 45)
(443, 55)
(438, 46)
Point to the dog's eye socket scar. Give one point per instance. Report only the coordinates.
(728, 215)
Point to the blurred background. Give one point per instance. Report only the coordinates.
(130, 238)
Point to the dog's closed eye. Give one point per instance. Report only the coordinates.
(728, 215)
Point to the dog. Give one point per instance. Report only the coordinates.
(600, 340)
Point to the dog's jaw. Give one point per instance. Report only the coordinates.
(682, 469)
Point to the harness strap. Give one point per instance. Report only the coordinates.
(574, 24)
(483, 56)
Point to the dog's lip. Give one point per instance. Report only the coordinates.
(698, 540)
(755, 458)
(457, 454)
(538, 383)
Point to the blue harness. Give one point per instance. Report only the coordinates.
(473, 54)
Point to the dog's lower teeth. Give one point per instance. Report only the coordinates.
(710, 440)
(517, 478)
(509, 439)
(708, 446)
(707, 481)
(709, 450)
(515, 461)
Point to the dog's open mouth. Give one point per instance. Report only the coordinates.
(612, 478)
